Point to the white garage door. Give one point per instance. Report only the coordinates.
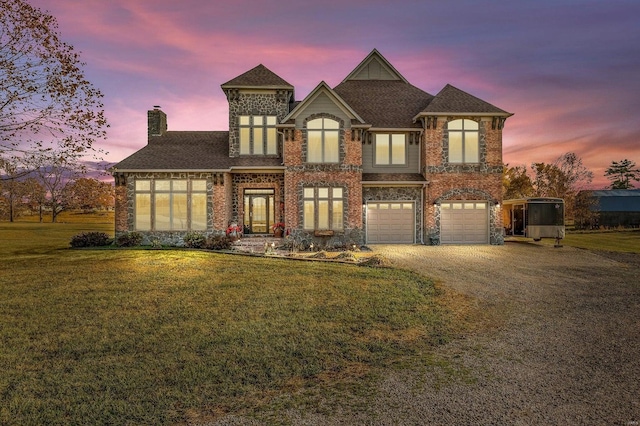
(464, 222)
(390, 223)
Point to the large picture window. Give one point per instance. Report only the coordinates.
(463, 141)
(323, 208)
(170, 205)
(390, 149)
(258, 135)
(323, 145)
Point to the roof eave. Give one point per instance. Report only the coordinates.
(462, 114)
(393, 183)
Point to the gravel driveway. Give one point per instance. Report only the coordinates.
(558, 344)
(567, 353)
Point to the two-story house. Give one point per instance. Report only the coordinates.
(372, 160)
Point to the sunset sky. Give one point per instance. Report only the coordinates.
(568, 69)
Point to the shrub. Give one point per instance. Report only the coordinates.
(218, 242)
(90, 239)
(195, 240)
(129, 239)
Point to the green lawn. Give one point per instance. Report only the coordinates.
(619, 241)
(168, 336)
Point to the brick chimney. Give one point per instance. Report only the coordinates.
(156, 122)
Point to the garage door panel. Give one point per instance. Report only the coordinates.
(389, 222)
(464, 223)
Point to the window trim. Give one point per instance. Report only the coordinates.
(331, 200)
(389, 143)
(151, 191)
(463, 133)
(266, 128)
(323, 130)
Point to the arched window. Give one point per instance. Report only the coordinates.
(323, 136)
(464, 145)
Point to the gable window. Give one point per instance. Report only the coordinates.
(258, 135)
(463, 141)
(323, 208)
(390, 149)
(170, 205)
(323, 141)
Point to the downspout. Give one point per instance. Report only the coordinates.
(424, 186)
(282, 134)
(422, 215)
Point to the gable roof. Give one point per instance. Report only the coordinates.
(186, 150)
(257, 77)
(323, 88)
(375, 67)
(384, 103)
(453, 101)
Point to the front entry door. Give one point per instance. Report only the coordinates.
(258, 210)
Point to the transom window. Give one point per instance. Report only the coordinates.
(170, 205)
(323, 141)
(258, 135)
(390, 149)
(323, 208)
(463, 141)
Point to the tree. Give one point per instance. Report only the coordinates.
(516, 183)
(586, 210)
(35, 196)
(54, 173)
(563, 179)
(46, 103)
(622, 173)
(89, 194)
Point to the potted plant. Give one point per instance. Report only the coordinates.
(234, 231)
(278, 229)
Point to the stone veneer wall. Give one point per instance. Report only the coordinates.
(346, 174)
(125, 209)
(490, 152)
(459, 182)
(255, 181)
(396, 194)
(267, 103)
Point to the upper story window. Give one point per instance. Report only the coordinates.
(390, 149)
(258, 135)
(170, 205)
(323, 136)
(464, 145)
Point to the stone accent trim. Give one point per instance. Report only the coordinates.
(267, 103)
(496, 234)
(341, 139)
(412, 194)
(256, 181)
(125, 205)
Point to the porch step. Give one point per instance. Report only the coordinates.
(257, 243)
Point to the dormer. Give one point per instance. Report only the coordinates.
(258, 100)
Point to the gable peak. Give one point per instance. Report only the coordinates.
(258, 76)
(375, 67)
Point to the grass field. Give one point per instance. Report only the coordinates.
(626, 241)
(166, 337)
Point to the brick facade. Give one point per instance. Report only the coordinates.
(425, 183)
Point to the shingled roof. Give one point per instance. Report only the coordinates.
(384, 103)
(453, 100)
(186, 150)
(259, 76)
